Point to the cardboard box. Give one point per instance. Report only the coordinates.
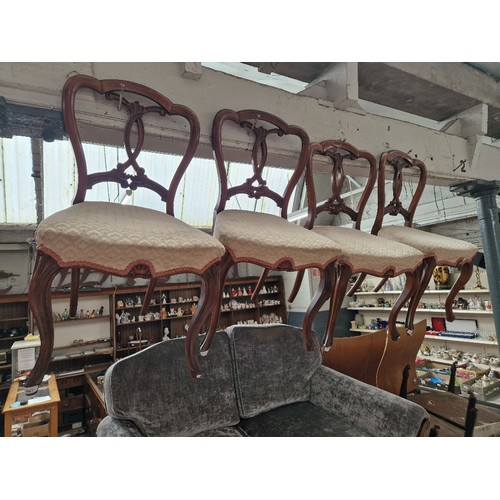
(36, 431)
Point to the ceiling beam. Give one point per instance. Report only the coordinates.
(444, 154)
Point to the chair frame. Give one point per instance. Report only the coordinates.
(46, 267)
(256, 187)
(334, 286)
(401, 161)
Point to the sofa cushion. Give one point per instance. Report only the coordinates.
(302, 419)
(154, 390)
(232, 431)
(271, 366)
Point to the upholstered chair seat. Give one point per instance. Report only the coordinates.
(268, 240)
(364, 252)
(116, 238)
(447, 251)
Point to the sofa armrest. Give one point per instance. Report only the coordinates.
(114, 427)
(378, 412)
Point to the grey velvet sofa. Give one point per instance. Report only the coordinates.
(257, 381)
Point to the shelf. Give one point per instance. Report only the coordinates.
(13, 339)
(442, 311)
(73, 320)
(427, 292)
(457, 339)
(80, 356)
(8, 320)
(84, 344)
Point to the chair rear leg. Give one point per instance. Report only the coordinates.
(356, 285)
(404, 296)
(147, 297)
(466, 269)
(260, 284)
(296, 285)
(341, 281)
(75, 287)
(39, 298)
(423, 275)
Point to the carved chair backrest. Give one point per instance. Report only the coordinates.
(401, 164)
(338, 152)
(128, 104)
(262, 130)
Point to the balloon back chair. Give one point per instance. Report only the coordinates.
(262, 236)
(361, 252)
(438, 250)
(116, 238)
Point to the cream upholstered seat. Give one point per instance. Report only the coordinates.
(360, 251)
(120, 239)
(266, 239)
(365, 253)
(437, 249)
(446, 250)
(269, 241)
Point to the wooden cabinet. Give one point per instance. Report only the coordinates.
(172, 307)
(14, 322)
(95, 409)
(31, 416)
(109, 326)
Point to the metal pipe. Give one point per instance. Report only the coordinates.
(485, 193)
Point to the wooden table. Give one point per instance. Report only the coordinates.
(450, 410)
(25, 412)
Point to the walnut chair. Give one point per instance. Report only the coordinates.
(115, 238)
(438, 250)
(263, 238)
(361, 251)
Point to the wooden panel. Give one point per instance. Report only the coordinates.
(358, 357)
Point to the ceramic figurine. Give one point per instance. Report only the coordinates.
(101, 310)
(65, 314)
(163, 313)
(163, 298)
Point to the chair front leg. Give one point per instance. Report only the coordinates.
(216, 293)
(207, 305)
(466, 269)
(322, 294)
(39, 298)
